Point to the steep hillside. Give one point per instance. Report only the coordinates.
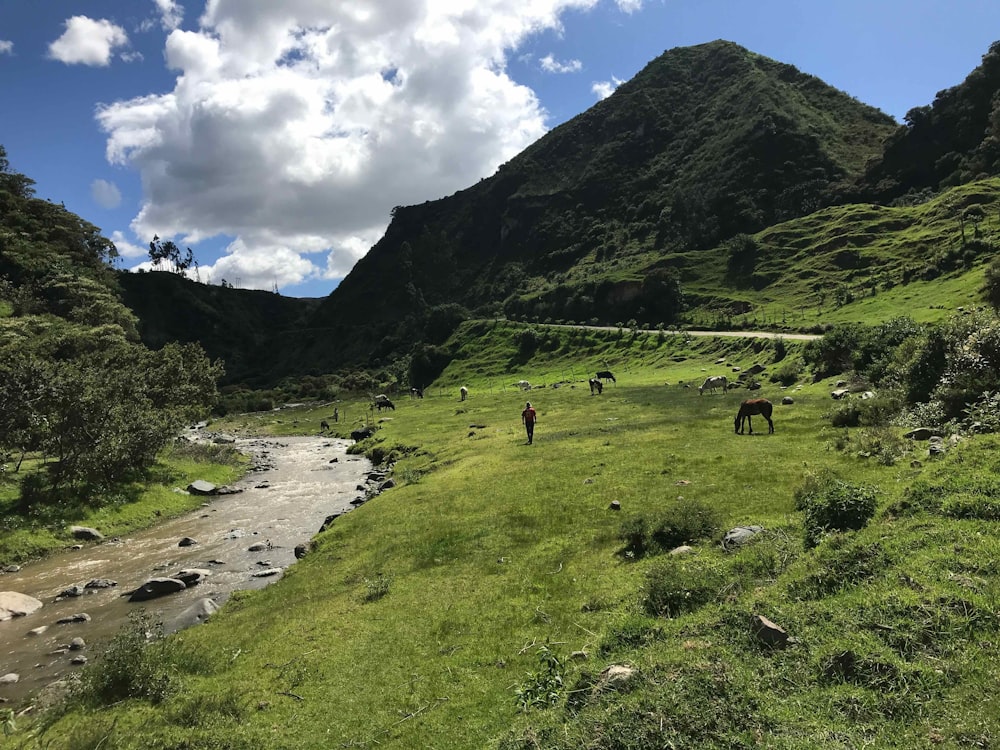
(704, 143)
(237, 326)
(856, 262)
(952, 141)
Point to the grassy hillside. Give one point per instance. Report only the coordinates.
(421, 617)
(857, 262)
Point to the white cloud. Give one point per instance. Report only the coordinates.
(6, 47)
(105, 194)
(296, 126)
(126, 248)
(604, 89)
(88, 42)
(171, 13)
(551, 65)
(629, 6)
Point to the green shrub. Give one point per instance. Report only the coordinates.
(884, 444)
(376, 587)
(544, 687)
(675, 586)
(789, 372)
(135, 665)
(681, 522)
(831, 504)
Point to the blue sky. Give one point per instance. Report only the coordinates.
(273, 138)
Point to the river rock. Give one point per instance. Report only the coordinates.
(328, 521)
(70, 592)
(11, 568)
(77, 644)
(303, 549)
(100, 583)
(86, 533)
(13, 604)
(201, 487)
(155, 587)
(388, 484)
(35, 632)
(259, 547)
(78, 660)
(73, 619)
(10, 678)
(187, 542)
(192, 576)
(266, 573)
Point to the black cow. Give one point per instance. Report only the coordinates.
(606, 375)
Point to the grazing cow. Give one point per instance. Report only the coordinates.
(596, 385)
(382, 402)
(416, 393)
(710, 384)
(750, 407)
(606, 375)
(464, 392)
(324, 426)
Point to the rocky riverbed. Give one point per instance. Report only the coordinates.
(238, 541)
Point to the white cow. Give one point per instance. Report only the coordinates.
(710, 384)
(464, 392)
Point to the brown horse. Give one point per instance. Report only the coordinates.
(750, 407)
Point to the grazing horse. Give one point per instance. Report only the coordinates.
(710, 384)
(324, 426)
(750, 407)
(606, 375)
(464, 393)
(596, 385)
(382, 402)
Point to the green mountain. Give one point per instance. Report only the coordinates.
(952, 141)
(706, 142)
(237, 326)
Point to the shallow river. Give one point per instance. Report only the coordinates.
(295, 486)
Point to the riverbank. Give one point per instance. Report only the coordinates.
(244, 540)
(136, 506)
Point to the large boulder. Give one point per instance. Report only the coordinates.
(86, 533)
(197, 613)
(13, 604)
(156, 587)
(920, 433)
(201, 487)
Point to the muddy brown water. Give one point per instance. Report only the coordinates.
(294, 487)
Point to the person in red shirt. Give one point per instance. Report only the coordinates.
(528, 416)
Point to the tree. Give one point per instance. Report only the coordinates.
(160, 250)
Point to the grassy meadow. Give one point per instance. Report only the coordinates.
(477, 603)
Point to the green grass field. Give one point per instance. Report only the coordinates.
(418, 620)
